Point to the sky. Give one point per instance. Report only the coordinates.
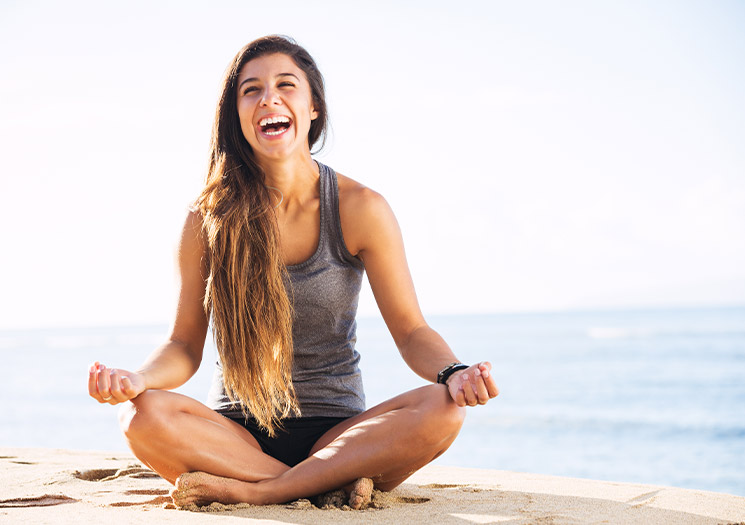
(539, 155)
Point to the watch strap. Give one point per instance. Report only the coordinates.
(449, 370)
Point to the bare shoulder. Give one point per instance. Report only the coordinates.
(358, 197)
(364, 214)
(192, 230)
(193, 220)
(191, 246)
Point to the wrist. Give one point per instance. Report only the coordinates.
(448, 371)
(144, 377)
(455, 374)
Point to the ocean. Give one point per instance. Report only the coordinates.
(647, 396)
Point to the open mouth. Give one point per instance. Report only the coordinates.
(275, 125)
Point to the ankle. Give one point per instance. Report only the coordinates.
(261, 493)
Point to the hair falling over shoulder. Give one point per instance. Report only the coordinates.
(247, 288)
(246, 294)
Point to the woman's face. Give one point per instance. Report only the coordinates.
(275, 107)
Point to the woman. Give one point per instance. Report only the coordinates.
(274, 250)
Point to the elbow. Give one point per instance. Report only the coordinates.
(192, 353)
(195, 359)
(404, 340)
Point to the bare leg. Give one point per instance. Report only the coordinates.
(173, 434)
(387, 444)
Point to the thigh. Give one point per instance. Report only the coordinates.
(162, 403)
(395, 438)
(429, 398)
(173, 434)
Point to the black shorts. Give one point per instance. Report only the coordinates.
(292, 444)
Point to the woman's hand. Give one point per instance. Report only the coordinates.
(113, 386)
(473, 386)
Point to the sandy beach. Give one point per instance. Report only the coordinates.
(67, 486)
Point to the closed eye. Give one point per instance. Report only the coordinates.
(250, 89)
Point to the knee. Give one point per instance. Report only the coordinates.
(452, 415)
(142, 414)
(444, 416)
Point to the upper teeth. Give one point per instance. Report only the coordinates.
(273, 120)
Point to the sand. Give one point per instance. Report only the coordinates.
(39, 486)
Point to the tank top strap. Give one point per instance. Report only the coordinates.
(331, 230)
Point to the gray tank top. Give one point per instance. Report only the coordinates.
(325, 292)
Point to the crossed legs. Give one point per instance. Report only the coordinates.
(210, 458)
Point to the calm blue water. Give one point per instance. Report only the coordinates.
(640, 396)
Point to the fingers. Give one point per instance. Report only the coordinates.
(128, 388)
(98, 383)
(489, 382)
(468, 386)
(113, 386)
(476, 386)
(104, 384)
(117, 391)
(482, 395)
(92, 380)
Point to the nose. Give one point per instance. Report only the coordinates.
(270, 97)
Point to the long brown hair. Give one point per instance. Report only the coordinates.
(247, 282)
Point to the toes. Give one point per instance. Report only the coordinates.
(361, 494)
(180, 494)
(179, 497)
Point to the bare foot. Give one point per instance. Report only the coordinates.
(200, 488)
(361, 494)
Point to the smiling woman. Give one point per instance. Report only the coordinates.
(286, 416)
(276, 107)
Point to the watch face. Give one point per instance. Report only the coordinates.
(445, 371)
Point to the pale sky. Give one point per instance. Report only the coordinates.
(539, 155)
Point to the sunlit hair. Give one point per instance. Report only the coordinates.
(246, 285)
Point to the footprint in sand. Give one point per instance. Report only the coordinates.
(46, 500)
(17, 462)
(95, 474)
(643, 499)
(147, 492)
(108, 474)
(160, 500)
(462, 488)
(410, 499)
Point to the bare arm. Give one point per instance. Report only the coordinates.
(173, 363)
(372, 232)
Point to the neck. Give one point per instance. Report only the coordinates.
(294, 178)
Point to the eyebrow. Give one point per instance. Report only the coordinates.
(254, 79)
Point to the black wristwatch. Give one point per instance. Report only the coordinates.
(449, 370)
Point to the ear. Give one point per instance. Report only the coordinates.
(313, 114)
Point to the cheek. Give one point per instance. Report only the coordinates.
(246, 125)
(308, 113)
